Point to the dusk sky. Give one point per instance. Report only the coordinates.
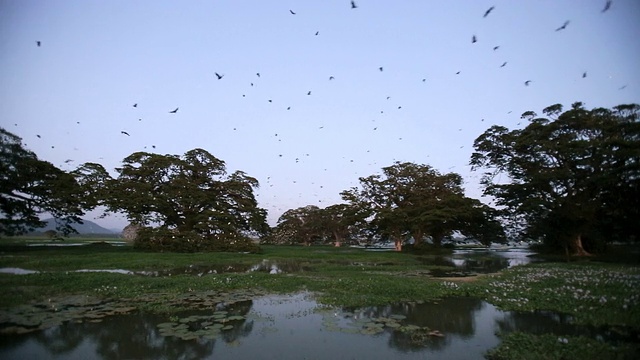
(341, 92)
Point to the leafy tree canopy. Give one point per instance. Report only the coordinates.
(189, 193)
(301, 225)
(570, 177)
(311, 224)
(30, 187)
(416, 200)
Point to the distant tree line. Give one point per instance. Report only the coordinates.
(409, 201)
(570, 179)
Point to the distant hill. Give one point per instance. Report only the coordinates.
(87, 227)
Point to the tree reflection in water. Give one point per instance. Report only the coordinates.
(454, 316)
(292, 327)
(137, 336)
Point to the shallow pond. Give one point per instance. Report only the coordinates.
(482, 261)
(294, 327)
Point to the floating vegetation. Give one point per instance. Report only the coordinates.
(334, 321)
(79, 308)
(55, 311)
(200, 326)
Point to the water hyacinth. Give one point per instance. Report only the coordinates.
(584, 292)
(450, 285)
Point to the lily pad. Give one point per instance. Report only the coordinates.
(333, 328)
(410, 328)
(167, 325)
(371, 331)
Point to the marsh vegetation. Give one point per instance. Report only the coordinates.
(350, 293)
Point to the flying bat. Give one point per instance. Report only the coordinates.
(564, 26)
(486, 13)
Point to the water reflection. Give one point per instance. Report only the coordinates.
(477, 261)
(295, 327)
(135, 336)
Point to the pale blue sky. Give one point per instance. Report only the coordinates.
(98, 58)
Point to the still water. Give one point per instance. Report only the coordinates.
(296, 327)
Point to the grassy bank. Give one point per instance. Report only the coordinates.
(343, 276)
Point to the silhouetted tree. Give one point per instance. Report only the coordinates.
(416, 200)
(190, 196)
(570, 176)
(30, 187)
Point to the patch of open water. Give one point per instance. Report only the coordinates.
(296, 327)
(17, 271)
(470, 262)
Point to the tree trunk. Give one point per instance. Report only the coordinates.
(398, 244)
(576, 246)
(417, 238)
(437, 240)
(337, 238)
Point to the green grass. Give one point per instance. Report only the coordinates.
(592, 292)
(540, 347)
(344, 276)
(125, 257)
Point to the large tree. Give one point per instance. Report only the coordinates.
(301, 225)
(311, 224)
(30, 187)
(189, 193)
(567, 176)
(412, 199)
(341, 221)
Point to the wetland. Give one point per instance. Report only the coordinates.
(313, 302)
